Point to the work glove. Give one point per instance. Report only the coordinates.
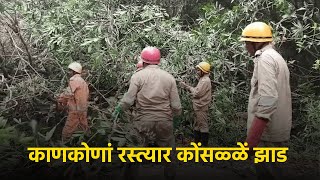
(117, 111)
(183, 84)
(255, 132)
(61, 103)
(59, 106)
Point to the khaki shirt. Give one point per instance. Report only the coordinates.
(155, 93)
(201, 94)
(270, 95)
(138, 70)
(77, 94)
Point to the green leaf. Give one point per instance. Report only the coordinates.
(17, 121)
(121, 141)
(89, 41)
(102, 131)
(105, 124)
(33, 125)
(2, 8)
(26, 140)
(50, 133)
(316, 65)
(3, 122)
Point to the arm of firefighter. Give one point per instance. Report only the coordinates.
(130, 96)
(68, 92)
(175, 99)
(74, 85)
(199, 90)
(62, 101)
(267, 87)
(255, 131)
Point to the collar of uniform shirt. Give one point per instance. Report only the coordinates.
(152, 66)
(259, 52)
(74, 76)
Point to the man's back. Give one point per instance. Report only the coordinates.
(81, 93)
(157, 94)
(202, 94)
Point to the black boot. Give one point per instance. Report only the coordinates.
(204, 139)
(197, 136)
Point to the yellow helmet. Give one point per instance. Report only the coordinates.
(204, 67)
(75, 66)
(257, 32)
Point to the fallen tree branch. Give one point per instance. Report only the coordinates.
(14, 26)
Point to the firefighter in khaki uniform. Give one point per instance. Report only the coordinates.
(201, 101)
(76, 99)
(269, 109)
(155, 94)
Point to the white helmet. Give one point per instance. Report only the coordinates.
(75, 66)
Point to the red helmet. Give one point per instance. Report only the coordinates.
(139, 64)
(150, 55)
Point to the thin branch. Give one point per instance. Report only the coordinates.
(99, 93)
(23, 41)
